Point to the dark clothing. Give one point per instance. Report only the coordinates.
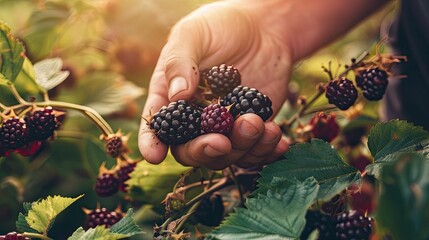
(408, 98)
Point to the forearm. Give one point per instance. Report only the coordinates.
(308, 25)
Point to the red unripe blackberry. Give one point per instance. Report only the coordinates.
(248, 100)
(176, 123)
(342, 93)
(106, 184)
(13, 133)
(124, 174)
(114, 146)
(30, 149)
(373, 82)
(216, 119)
(322, 222)
(324, 126)
(222, 79)
(101, 216)
(13, 236)
(353, 225)
(210, 211)
(41, 124)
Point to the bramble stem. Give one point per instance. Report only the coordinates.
(237, 184)
(36, 235)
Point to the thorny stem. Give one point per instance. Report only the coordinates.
(237, 184)
(355, 64)
(197, 184)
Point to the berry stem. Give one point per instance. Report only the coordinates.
(197, 184)
(16, 93)
(355, 64)
(237, 184)
(37, 235)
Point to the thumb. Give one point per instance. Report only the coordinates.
(182, 55)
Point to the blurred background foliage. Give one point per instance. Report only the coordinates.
(110, 48)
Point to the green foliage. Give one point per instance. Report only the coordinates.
(48, 73)
(317, 159)
(98, 233)
(126, 226)
(405, 196)
(12, 55)
(261, 218)
(42, 214)
(387, 141)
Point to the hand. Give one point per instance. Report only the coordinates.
(222, 32)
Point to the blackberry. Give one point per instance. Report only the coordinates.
(41, 124)
(30, 149)
(248, 100)
(176, 123)
(222, 79)
(324, 126)
(124, 174)
(106, 185)
(325, 224)
(210, 211)
(114, 146)
(342, 93)
(353, 225)
(13, 133)
(373, 82)
(101, 216)
(14, 236)
(216, 119)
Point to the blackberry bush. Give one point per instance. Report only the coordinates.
(248, 100)
(176, 123)
(373, 82)
(216, 119)
(342, 93)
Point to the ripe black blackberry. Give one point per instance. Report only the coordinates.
(221, 79)
(41, 124)
(210, 211)
(124, 174)
(106, 184)
(342, 93)
(114, 146)
(13, 236)
(373, 82)
(176, 123)
(13, 133)
(353, 225)
(325, 224)
(216, 119)
(101, 216)
(248, 100)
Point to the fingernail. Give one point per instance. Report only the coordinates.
(211, 152)
(177, 85)
(248, 130)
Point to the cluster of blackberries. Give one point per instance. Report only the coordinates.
(109, 182)
(25, 135)
(372, 81)
(13, 236)
(347, 225)
(102, 216)
(183, 120)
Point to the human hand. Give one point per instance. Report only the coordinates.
(222, 32)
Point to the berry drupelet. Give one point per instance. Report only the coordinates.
(342, 93)
(216, 119)
(248, 100)
(176, 123)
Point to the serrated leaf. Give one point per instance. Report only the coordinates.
(405, 196)
(21, 223)
(43, 213)
(394, 136)
(48, 73)
(126, 226)
(278, 214)
(317, 159)
(97, 233)
(12, 54)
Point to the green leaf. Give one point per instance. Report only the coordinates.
(126, 226)
(278, 214)
(150, 183)
(317, 159)
(12, 54)
(21, 223)
(42, 213)
(394, 136)
(405, 197)
(48, 73)
(98, 233)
